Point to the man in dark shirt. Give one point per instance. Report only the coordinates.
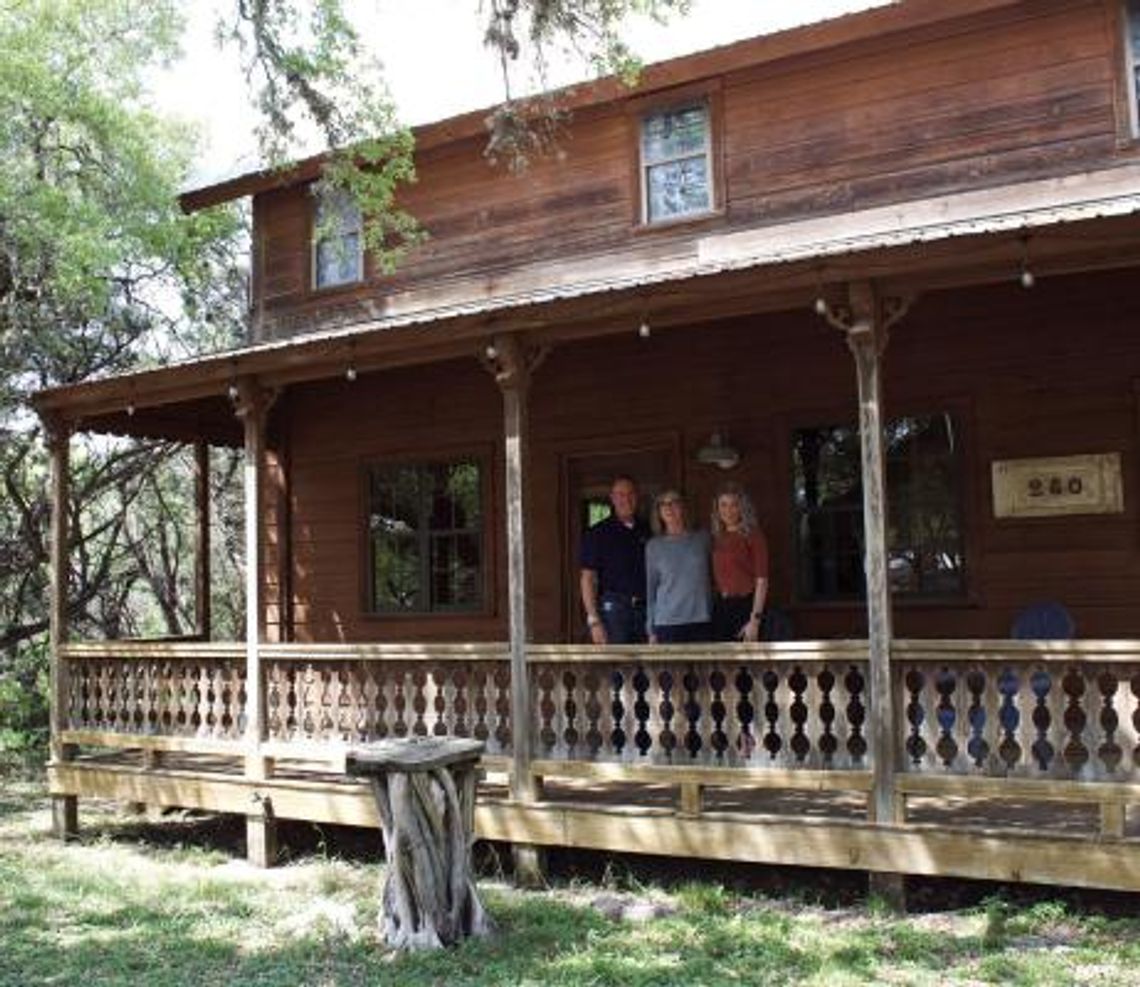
(613, 570)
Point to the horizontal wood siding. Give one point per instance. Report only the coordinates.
(337, 429)
(1018, 92)
(1051, 371)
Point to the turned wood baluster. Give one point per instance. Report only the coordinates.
(419, 702)
(593, 708)
(745, 713)
(503, 727)
(482, 705)
(461, 704)
(772, 740)
(828, 743)
(547, 735)
(440, 705)
(946, 713)
(642, 738)
(617, 713)
(799, 744)
(856, 711)
(1109, 752)
(571, 706)
(666, 712)
(914, 681)
(1042, 750)
(1075, 752)
(977, 747)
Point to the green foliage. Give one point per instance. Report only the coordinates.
(95, 258)
(312, 76)
(535, 32)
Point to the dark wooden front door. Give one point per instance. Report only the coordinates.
(587, 478)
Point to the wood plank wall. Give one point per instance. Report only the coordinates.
(1017, 92)
(1051, 371)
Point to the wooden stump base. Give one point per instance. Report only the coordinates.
(425, 795)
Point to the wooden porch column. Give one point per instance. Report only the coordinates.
(512, 366)
(202, 610)
(252, 407)
(867, 339)
(64, 808)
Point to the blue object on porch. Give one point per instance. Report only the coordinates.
(776, 625)
(1048, 621)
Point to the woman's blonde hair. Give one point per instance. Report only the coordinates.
(747, 511)
(655, 521)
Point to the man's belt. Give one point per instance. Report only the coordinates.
(630, 598)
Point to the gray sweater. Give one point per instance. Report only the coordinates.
(677, 579)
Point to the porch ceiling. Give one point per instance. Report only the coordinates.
(1075, 223)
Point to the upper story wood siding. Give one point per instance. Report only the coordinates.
(1019, 90)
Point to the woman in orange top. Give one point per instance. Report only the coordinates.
(740, 567)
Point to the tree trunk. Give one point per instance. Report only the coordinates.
(429, 899)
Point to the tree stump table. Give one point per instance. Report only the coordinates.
(425, 794)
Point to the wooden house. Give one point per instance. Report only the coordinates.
(890, 262)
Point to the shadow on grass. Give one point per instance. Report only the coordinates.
(160, 940)
(829, 888)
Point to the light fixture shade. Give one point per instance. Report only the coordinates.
(716, 453)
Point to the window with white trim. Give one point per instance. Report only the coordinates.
(676, 163)
(338, 243)
(1132, 41)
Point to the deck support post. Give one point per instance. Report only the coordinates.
(889, 888)
(866, 321)
(512, 365)
(252, 407)
(202, 609)
(65, 808)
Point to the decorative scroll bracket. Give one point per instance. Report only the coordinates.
(866, 313)
(511, 361)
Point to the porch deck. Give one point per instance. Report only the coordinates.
(1015, 760)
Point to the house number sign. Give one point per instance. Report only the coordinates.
(1062, 485)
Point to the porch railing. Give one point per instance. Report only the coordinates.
(1047, 711)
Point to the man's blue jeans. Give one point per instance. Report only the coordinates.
(623, 618)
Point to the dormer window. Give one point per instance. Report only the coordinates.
(338, 246)
(676, 163)
(1132, 40)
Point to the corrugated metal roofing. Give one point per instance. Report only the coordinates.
(1023, 207)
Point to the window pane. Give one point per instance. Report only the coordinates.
(425, 525)
(455, 571)
(338, 257)
(923, 527)
(454, 497)
(339, 260)
(674, 134)
(828, 497)
(396, 573)
(678, 188)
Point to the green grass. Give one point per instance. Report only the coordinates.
(136, 903)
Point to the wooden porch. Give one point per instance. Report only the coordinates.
(1015, 760)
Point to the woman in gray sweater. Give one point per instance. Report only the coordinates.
(677, 576)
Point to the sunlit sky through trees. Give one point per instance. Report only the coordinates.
(435, 62)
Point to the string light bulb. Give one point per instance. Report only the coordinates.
(350, 373)
(491, 351)
(1025, 277)
(644, 330)
(820, 306)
